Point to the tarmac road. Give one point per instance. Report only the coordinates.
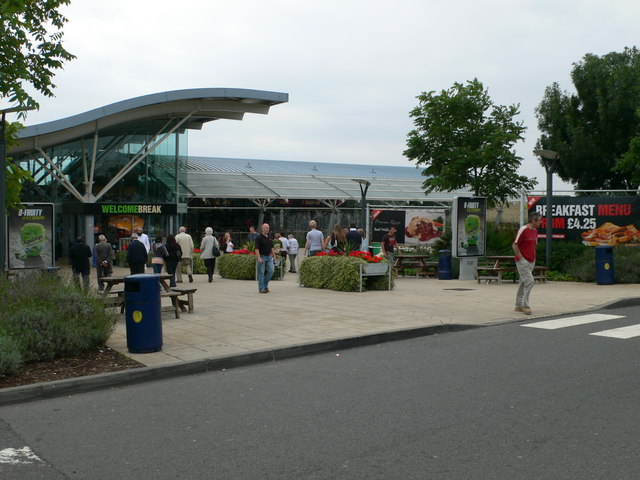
(509, 401)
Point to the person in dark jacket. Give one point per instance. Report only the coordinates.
(136, 255)
(354, 238)
(104, 255)
(79, 255)
(172, 261)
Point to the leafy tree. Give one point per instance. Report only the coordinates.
(596, 130)
(466, 142)
(30, 52)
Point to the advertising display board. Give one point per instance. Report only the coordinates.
(594, 221)
(469, 230)
(414, 226)
(30, 236)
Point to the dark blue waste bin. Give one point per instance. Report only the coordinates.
(605, 274)
(444, 265)
(142, 313)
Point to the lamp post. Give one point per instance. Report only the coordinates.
(3, 185)
(364, 186)
(550, 157)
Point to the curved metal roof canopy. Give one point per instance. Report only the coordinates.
(148, 113)
(138, 126)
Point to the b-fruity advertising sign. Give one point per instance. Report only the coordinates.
(30, 232)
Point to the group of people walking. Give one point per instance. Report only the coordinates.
(175, 253)
(339, 240)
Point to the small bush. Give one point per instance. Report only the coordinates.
(10, 358)
(626, 264)
(500, 238)
(47, 317)
(582, 267)
(240, 267)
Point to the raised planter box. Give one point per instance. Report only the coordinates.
(375, 269)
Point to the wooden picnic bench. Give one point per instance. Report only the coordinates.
(418, 263)
(174, 294)
(185, 305)
(175, 302)
(114, 298)
(503, 264)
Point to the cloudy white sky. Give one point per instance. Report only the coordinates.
(352, 68)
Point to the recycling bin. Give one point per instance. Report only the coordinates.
(605, 273)
(444, 265)
(143, 313)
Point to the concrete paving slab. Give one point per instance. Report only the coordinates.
(233, 324)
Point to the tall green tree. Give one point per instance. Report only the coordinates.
(596, 130)
(30, 52)
(467, 143)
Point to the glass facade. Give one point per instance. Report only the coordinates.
(159, 177)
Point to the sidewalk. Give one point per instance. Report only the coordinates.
(232, 318)
(234, 325)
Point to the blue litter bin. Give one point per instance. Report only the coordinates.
(143, 313)
(444, 265)
(605, 273)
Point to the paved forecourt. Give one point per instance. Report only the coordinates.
(231, 317)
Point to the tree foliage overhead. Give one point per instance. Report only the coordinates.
(30, 52)
(466, 143)
(30, 48)
(596, 130)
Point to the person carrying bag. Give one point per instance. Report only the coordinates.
(210, 250)
(159, 254)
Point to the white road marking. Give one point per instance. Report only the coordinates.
(17, 456)
(622, 332)
(572, 321)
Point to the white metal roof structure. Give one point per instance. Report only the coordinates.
(281, 179)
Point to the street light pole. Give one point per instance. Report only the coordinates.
(3, 193)
(549, 156)
(364, 186)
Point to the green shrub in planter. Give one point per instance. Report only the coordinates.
(198, 264)
(240, 267)
(340, 273)
(315, 272)
(47, 317)
(237, 267)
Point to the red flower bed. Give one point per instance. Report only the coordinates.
(243, 251)
(363, 255)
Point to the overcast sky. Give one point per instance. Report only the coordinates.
(352, 68)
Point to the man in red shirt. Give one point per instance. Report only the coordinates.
(524, 247)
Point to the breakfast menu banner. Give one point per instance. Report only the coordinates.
(595, 221)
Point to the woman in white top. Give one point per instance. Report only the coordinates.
(293, 252)
(228, 243)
